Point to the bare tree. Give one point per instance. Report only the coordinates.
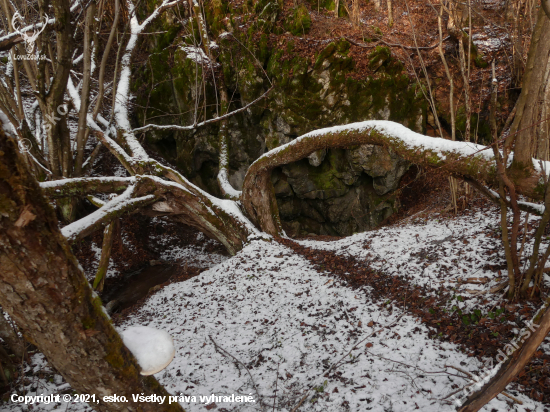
(530, 129)
(158, 189)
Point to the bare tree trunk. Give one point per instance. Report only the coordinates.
(59, 145)
(448, 73)
(546, 7)
(106, 248)
(44, 290)
(51, 98)
(223, 174)
(530, 129)
(81, 134)
(355, 13)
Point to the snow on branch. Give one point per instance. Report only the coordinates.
(123, 89)
(85, 185)
(226, 187)
(112, 209)
(533, 208)
(206, 122)
(223, 175)
(118, 151)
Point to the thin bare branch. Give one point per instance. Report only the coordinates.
(210, 121)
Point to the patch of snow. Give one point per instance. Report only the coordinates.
(272, 312)
(436, 253)
(266, 324)
(196, 54)
(153, 348)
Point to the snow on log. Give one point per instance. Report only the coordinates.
(153, 348)
(462, 159)
(101, 217)
(82, 186)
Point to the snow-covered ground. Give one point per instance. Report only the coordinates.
(267, 325)
(436, 251)
(193, 255)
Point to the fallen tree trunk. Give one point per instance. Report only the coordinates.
(462, 159)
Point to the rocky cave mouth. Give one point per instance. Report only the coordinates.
(334, 192)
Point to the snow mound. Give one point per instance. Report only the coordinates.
(153, 348)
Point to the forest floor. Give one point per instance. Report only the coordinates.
(415, 23)
(387, 320)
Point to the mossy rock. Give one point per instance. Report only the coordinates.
(299, 21)
(308, 95)
(322, 4)
(378, 57)
(215, 15)
(266, 18)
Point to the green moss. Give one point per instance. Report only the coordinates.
(540, 190)
(306, 97)
(480, 61)
(88, 323)
(266, 17)
(325, 54)
(322, 4)
(114, 358)
(378, 57)
(215, 14)
(299, 21)
(264, 50)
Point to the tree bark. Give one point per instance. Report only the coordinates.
(106, 248)
(530, 129)
(81, 134)
(59, 145)
(546, 7)
(44, 290)
(11, 338)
